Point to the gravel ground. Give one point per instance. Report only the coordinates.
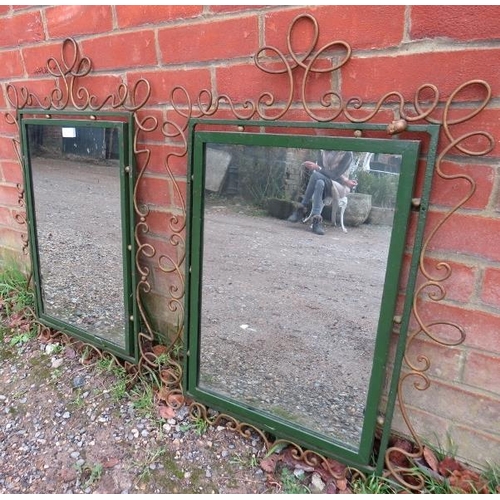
(63, 429)
(290, 318)
(79, 240)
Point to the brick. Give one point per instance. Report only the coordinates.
(11, 64)
(137, 15)
(464, 22)
(429, 427)
(12, 239)
(490, 291)
(162, 223)
(459, 287)
(147, 118)
(162, 247)
(162, 318)
(242, 82)
(158, 155)
(170, 285)
(100, 87)
(7, 129)
(367, 77)
(445, 362)
(209, 41)
(122, 50)
(179, 191)
(39, 88)
(9, 195)
(73, 20)
(22, 28)
(475, 447)
(486, 121)
(164, 81)
(235, 8)
(7, 151)
(467, 234)
(458, 405)
(482, 329)
(11, 171)
(355, 25)
(36, 57)
(6, 217)
(449, 192)
(483, 372)
(155, 191)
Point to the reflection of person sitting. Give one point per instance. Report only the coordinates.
(321, 185)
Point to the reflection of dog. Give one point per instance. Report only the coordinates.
(338, 199)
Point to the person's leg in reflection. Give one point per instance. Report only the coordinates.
(314, 193)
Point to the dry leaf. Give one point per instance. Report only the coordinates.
(269, 464)
(166, 412)
(159, 349)
(342, 484)
(398, 458)
(110, 463)
(162, 394)
(448, 466)
(347, 491)
(466, 481)
(431, 459)
(175, 400)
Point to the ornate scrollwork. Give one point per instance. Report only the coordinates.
(69, 93)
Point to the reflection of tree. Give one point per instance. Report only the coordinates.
(256, 173)
(377, 174)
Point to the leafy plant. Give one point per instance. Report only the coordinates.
(20, 339)
(382, 187)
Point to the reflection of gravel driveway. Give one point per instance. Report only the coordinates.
(289, 318)
(79, 238)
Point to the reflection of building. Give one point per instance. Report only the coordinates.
(84, 142)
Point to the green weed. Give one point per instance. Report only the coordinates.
(119, 388)
(198, 425)
(291, 484)
(90, 475)
(492, 475)
(143, 398)
(15, 295)
(244, 461)
(19, 339)
(374, 485)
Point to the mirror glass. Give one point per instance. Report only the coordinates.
(289, 318)
(290, 321)
(77, 188)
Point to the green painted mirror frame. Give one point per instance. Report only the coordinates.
(82, 177)
(203, 133)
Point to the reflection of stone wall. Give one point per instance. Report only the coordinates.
(295, 171)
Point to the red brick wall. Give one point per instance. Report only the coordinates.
(394, 48)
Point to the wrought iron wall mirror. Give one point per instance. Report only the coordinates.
(287, 330)
(79, 183)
